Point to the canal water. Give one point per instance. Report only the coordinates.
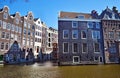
(47, 70)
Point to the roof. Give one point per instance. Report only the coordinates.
(73, 15)
(35, 19)
(12, 15)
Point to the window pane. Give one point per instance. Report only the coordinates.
(65, 34)
(90, 25)
(97, 25)
(75, 47)
(6, 46)
(65, 47)
(84, 34)
(74, 24)
(97, 47)
(84, 47)
(96, 34)
(111, 35)
(4, 25)
(3, 34)
(2, 45)
(75, 34)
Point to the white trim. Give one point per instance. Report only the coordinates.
(78, 59)
(77, 19)
(63, 34)
(63, 47)
(82, 48)
(73, 48)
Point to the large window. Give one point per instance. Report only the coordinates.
(25, 31)
(111, 35)
(4, 25)
(6, 46)
(90, 25)
(7, 35)
(96, 47)
(75, 47)
(96, 34)
(65, 34)
(12, 27)
(83, 34)
(3, 34)
(84, 47)
(2, 45)
(29, 32)
(74, 24)
(5, 15)
(75, 34)
(65, 47)
(118, 36)
(76, 59)
(25, 24)
(8, 26)
(20, 29)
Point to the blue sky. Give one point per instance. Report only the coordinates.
(47, 10)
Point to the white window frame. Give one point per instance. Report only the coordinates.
(4, 35)
(73, 48)
(78, 59)
(96, 31)
(63, 34)
(82, 48)
(82, 36)
(72, 34)
(63, 47)
(73, 24)
(94, 47)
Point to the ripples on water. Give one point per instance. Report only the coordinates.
(47, 70)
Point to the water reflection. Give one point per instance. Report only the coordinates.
(47, 70)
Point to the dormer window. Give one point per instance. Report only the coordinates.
(5, 15)
(17, 21)
(81, 16)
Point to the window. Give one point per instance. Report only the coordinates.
(12, 36)
(25, 24)
(19, 38)
(35, 39)
(12, 27)
(96, 58)
(0, 23)
(7, 35)
(118, 35)
(75, 47)
(65, 34)
(49, 40)
(97, 25)
(84, 47)
(90, 25)
(20, 29)
(96, 47)
(28, 25)
(49, 44)
(5, 15)
(4, 25)
(16, 29)
(95, 34)
(112, 48)
(2, 45)
(6, 46)
(3, 34)
(76, 59)
(83, 34)
(15, 37)
(74, 24)
(65, 47)
(75, 34)
(28, 32)
(8, 26)
(81, 17)
(111, 35)
(17, 21)
(25, 31)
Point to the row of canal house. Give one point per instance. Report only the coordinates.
(89, 38)
(21, 34)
